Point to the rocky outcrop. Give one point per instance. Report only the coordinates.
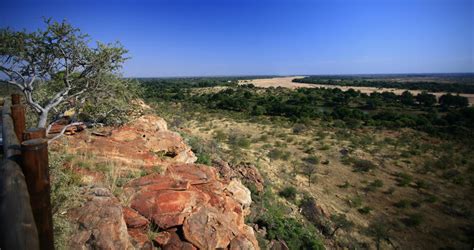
(244, 171)
(193, 208)
(100, 222)
(152, 133)
(182, 206)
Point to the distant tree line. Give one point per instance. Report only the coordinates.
(428, 86)
(445, 117)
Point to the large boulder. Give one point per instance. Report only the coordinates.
(240, 193)
(100, 223)
(209, 228)
(193, 208)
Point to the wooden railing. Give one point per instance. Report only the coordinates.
(25, 206)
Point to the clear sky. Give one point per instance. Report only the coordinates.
(253, 37)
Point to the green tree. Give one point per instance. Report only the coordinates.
(58, 62)
(340, 222)
(449, 100)
(379, 231)
(407, 98)
(309, 170)
(426, 99)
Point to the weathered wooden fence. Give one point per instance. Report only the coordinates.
(25, 206)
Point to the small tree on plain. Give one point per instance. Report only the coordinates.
(309, 170)
(379, 231)
(59, 60)
(340, 222)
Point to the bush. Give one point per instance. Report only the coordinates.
(311, 160)
(204, 158)
(374, 185)
(278, 226)
(364, 210)
(360, 165)
(240, 141)
(220, 136)
(288, 193)
(404, 179)
(299, 128)
(295, 234)
(277, 154)
(402, 203)
(355, 202)
(413, 220)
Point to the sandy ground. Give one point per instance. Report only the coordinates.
(286, 82)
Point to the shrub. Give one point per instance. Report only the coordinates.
(413, 220)
(237, 140)
(431, 198)
(220, 136)
(402, 203)
(374, 185)
(299, 128)
(204, 158)
(364, 210)
(404, 179)
(379, 230)
(311, 160)
(288, 193)
(421, 184)
(277, 154)
(360, 165)
(324, 147)
(345, 185)
(355, 202)
(340, 222)
(390, 190)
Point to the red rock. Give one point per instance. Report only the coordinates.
(176, 243)
(133, 219)
(214, 190)
(162, 238)
(140, 239)
(246, 172)
(194, 173)
(101, 223)
(240, 193)
(155, 182)
(241, 243)
(209, 228)
(167, 208)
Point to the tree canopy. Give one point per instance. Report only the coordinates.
(57, 66)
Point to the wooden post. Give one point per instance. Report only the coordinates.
(18, 116)
(35, 168)
(34, 133)
(16, 99)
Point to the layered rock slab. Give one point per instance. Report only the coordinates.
(100, 222)
(190, 198)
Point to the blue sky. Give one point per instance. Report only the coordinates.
(251, 37)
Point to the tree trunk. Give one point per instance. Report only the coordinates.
(43, 119)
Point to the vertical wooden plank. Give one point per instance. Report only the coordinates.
(18, 116)
(35, 167)
(11, 146)
(16, 99)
